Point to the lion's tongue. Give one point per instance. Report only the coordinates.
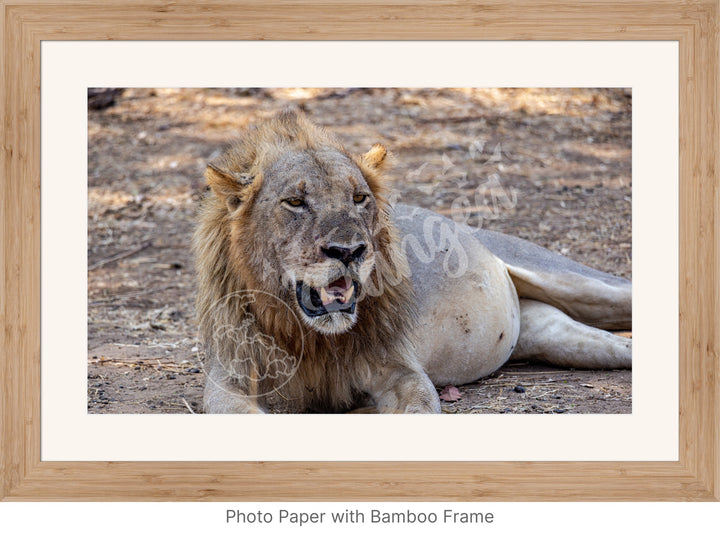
(338, 290)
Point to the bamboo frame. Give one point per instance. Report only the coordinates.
(694, 24)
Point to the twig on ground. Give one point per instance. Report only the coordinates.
(133, 294)
(188, 406)
(120, 256)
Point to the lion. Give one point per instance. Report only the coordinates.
(315, 294)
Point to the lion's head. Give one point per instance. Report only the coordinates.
(293, 214)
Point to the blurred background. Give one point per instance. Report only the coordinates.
(549, 165)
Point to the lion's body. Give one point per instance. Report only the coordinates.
(479, 294)
(315, 295)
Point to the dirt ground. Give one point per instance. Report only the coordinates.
(549, 165)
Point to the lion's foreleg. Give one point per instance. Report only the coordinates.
(404, 390)
(548, 334)
(222, 395)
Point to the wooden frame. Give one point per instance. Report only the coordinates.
(25, 23)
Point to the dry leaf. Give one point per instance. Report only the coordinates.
(450, 394)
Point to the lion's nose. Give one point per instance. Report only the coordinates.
(344, 253)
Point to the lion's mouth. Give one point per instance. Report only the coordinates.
(338, 296)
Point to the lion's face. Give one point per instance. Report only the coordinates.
(302, 218)
(322, 217)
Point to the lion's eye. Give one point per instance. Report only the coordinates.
(359, 198)
(295, 202)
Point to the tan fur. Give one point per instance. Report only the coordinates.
(330, 373)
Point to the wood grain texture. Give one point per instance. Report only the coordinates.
(694, 24)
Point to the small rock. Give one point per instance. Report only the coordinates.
(100, 98)
(519, 388)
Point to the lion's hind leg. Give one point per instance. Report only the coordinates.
(549, 335)
(593, 297)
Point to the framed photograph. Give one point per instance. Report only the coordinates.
(649, 67)
(549, 165)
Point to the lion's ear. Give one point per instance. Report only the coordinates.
(375, 158)
(227, 185)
